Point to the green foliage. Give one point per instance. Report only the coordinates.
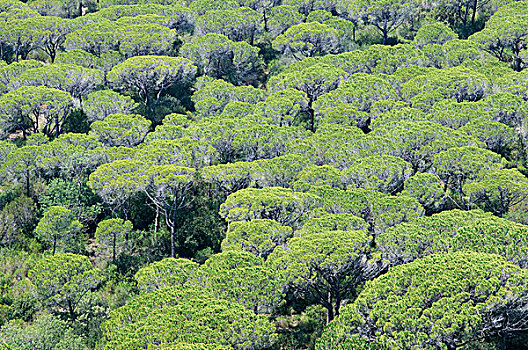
(284, 107)
(218, 57)
(452, 231)
(26, 108)
(274, 203)
(62, 280)
(378, 173)
(112, 235)
(499, 190)
(74, 195)
(386, 16)
(239, 24)
(259, 237)
(434, 33)
(100, 104)
(428, 190)
(149, 77)
(498, 137)
(283, 152)
(77, 81)
(121, 130)
(450, 300)
(307, 40)
(393, 210)
(326, 265)
(186, 315)
(168, 272)
(47, 332)
(335, 222)
(17, 220)
(504, 34)
(281, 18)
(58, 228)
(240, 277)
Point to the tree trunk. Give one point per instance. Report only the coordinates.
(71, 310)
(173, 248)
(265, 20)
(311, 113)
(156, 222)
(329, 310)
(473, 16)
(114, 248)
(27, 183)
(385, 33)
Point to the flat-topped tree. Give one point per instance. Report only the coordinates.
(57, 227)
(274, 203)
(284, 107)
(328, 266)
(169, 272)
(102, 103)
(62, 280)
(428, 190)
(150, 77)
(25, 109)
(259, 237)
(504, 34)
(21, 165)
(71, 155)
(121, 130)
(228, 178)
(241, 277)
(218, 57)
(168, 187)
(170, 316)
(498, 191)
(140, 39)
(115, 183)
(240, 24)
(12, 71)
(451, 231)
(498, 137)
(76, 80)
(386, 16)
(461, 165)
(379, 173)
(433, 33)
(95, 37)
(280, 18)
(312, 176)
(419, 142)
(441, 301)
(113, 235)
(314, 81)
(21, 36)
(307, 40)
(54, 31)
(389, 211)
(279, 171)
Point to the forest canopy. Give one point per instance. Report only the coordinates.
(263, 175)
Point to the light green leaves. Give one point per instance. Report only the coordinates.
(62, 280)
(441, 300)
(57, 227)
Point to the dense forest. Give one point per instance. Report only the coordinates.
(263, 174)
